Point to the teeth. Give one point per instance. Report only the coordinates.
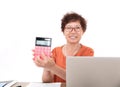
(72, 37)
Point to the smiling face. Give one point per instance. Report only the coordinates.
(73, 32)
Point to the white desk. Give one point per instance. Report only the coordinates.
(25, 84)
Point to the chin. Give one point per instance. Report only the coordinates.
(74, 42)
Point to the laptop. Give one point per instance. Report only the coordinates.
(92, 71)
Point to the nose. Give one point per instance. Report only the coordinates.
(73, 29)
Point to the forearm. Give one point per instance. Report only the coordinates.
(50, 69)
(47, 76)
(59, 71)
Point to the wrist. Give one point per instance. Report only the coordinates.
(53, 67)
(47, 70)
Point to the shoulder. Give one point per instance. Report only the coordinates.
(88, 51)
(86, 47)
(57, 52)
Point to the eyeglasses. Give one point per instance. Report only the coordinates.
(70, 29)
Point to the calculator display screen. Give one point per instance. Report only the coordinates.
(40, 41)
(43, 43)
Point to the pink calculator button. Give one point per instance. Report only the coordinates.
(41, 49)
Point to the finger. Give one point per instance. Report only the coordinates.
(33, 58)
(33, 50)
(51, 54)
(43, 56)
(38, 61)
(33, 54)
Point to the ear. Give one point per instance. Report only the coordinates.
(63, 33)
(82, 32)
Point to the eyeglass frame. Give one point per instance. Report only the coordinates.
(70, 28)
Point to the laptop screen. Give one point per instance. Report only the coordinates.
(92, 71)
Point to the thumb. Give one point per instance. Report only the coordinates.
(43, 56)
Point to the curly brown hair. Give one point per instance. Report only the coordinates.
(72, 17)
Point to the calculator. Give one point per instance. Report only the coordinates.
(43, 45)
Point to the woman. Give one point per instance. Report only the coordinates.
(73, 27)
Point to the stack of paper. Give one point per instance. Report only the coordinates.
(38, 84)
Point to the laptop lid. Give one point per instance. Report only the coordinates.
(92, 71)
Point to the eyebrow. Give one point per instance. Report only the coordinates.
(72, 26)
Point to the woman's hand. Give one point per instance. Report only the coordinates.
(44, 61)
(50, 67)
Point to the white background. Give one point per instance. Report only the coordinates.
(22, 20)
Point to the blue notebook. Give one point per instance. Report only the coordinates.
(2, 84)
